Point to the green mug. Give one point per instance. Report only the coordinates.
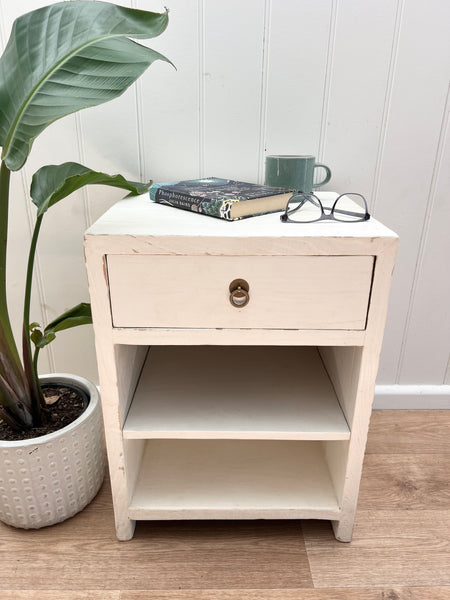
(294, 172)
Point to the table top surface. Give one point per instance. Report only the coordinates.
(140, 216)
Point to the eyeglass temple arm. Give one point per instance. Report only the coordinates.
(348, 212)
(306, 197)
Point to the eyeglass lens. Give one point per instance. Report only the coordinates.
(304, 208)
(350, 207)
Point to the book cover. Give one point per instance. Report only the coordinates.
(221, 198)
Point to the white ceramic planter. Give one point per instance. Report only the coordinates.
(48, 479)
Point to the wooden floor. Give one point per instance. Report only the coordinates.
(400, 549)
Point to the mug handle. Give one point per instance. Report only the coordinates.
(327, 176)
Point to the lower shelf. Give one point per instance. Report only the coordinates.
(233, 479)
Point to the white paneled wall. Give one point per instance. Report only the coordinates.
(362, 85)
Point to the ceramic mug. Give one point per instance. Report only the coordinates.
(294, 172)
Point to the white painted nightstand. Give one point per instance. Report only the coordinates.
(217, 411)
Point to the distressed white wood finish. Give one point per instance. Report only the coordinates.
(148, 232)
(360, 371)
(233, 479)
(259, 393)
(243, 337)
(298, 292)
(151, 228)
(116, 394)
(375, 115)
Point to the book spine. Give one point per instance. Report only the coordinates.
(194, 203)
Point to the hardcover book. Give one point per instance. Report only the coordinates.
(221, 198)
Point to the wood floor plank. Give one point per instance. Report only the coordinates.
(405, 481)
(409, 432)
(60, 595)
(188, 557)
(397, 548)
(329, 594)
(162, 555)
(400, 549)
(232, 554)
(422, 593)
(434, 593)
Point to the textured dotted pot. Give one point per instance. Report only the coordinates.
(48, 479)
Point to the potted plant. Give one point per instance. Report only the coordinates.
(59, 59)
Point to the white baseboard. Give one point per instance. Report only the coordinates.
(412, 397)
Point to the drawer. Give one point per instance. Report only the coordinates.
(285, 292)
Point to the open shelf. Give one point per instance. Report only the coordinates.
(230, 392)
(224, 479)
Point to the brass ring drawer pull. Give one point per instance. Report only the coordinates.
(239, 296)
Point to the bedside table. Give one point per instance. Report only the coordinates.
(237, 361)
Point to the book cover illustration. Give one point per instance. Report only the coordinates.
(211, 196)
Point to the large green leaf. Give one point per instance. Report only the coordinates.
(52, 183)
(78, 315)
(65, 57)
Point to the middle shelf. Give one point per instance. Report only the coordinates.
(235, 392)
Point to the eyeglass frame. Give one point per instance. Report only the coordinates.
(284, 218)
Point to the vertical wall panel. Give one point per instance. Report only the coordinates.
(108, 142)
(169, 98)
(356, 98)
(414, 122)
(297, 69)
(363, 85)
(427, 337)
(233, 59)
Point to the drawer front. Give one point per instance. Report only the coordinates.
(285, 292)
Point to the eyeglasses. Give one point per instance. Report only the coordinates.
(303, 207)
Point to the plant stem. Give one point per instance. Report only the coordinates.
(30, 365)
(35, 360)
(29, 278)
(4, 316)
(14, 392)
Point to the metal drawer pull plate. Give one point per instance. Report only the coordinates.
(239, 296)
